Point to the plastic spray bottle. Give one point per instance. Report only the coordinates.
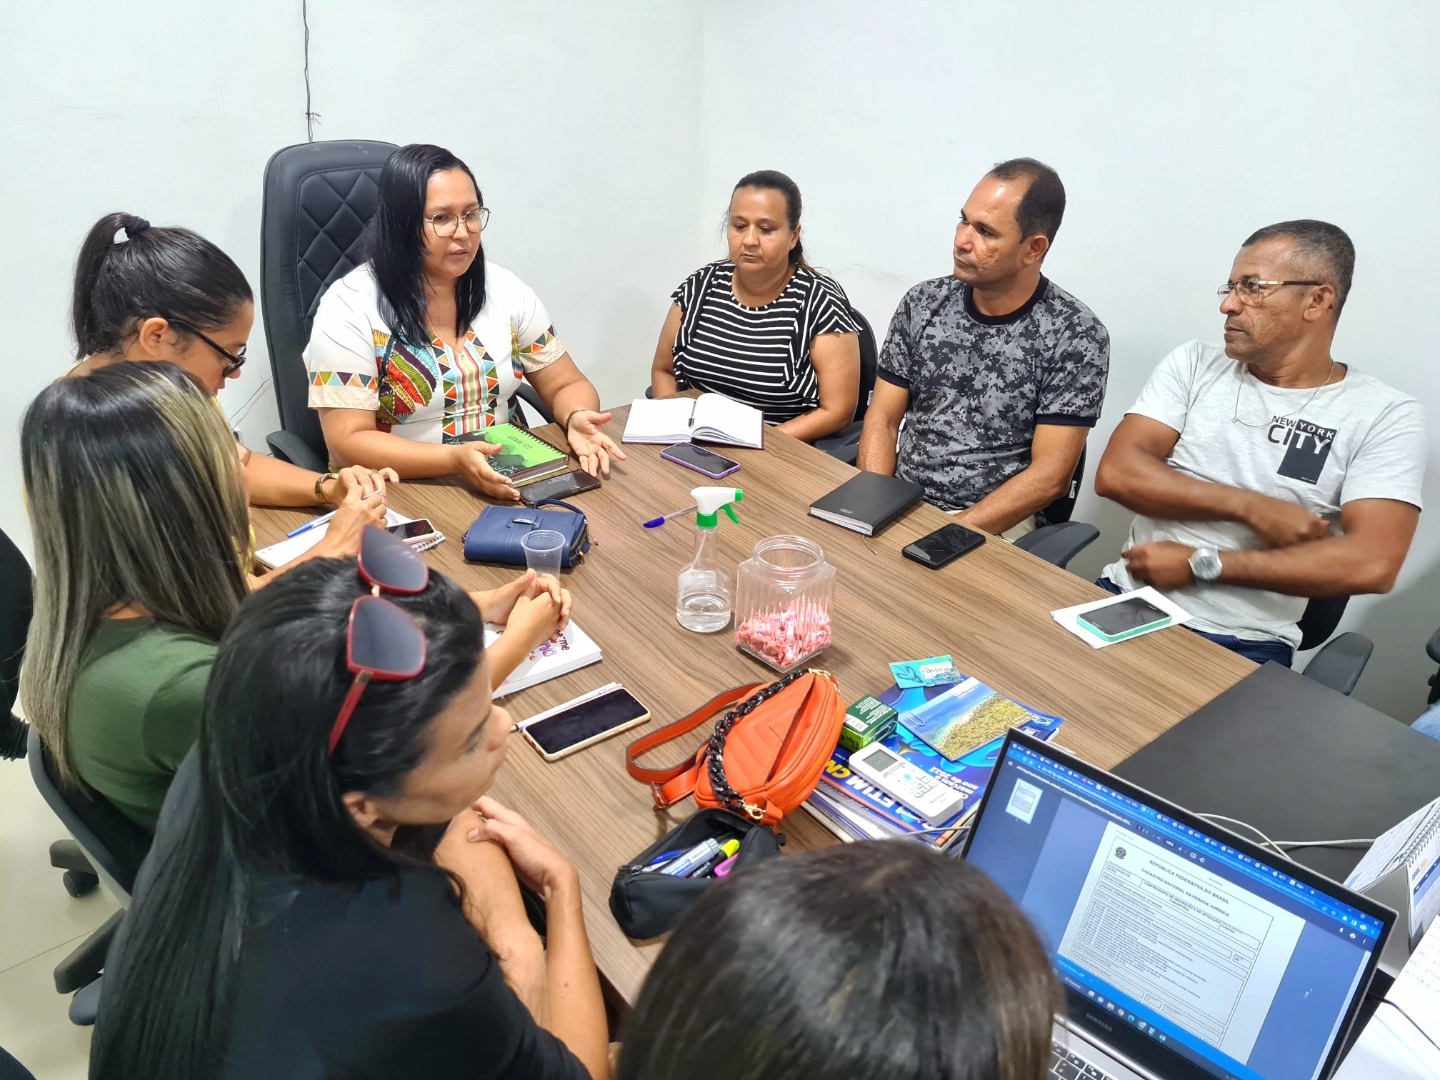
(706, 590)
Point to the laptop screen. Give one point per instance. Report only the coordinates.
(1173, 938)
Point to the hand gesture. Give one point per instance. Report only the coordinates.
(593, 447)
(1280, 523)
(356, 510)
(469, 461)
(497, 604)
(1163, 564)
(534, 619)
(357, 476)
(534, 858)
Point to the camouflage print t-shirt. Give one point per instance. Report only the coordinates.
(979, 384)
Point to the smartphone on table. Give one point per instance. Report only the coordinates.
(1124, 619)
(701, 460)
(588, 719)
(415, 533)
(559, 487)
(944, 545)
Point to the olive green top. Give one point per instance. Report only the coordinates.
(135, 710)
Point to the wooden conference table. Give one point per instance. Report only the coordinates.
(989, 609)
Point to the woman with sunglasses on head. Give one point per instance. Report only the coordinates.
(162, 293)
(142, 555)
(289, 923)
(416, 352)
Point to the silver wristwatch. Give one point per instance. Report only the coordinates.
(1205, 564)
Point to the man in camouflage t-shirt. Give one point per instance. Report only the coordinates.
(1000, 372)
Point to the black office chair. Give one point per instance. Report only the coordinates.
(115, 847)
(318, 199)
(1059, 543)
(1341, 661)
(10, 1069)
(845, 443)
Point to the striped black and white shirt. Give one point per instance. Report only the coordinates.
(759, 356)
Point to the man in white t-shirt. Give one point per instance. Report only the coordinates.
(1267, 472)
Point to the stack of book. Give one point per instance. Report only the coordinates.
(854, 809)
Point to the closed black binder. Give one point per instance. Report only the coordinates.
(867, 502)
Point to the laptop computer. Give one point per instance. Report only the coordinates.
(1186, 952)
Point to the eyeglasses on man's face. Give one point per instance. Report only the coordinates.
(445, 225)
(1251, 290)
(233, 361)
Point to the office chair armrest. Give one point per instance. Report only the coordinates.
(1432, 647)
(83, 965)
(1340, 662)
(844, 444)
(1058, 544)
(531, 397)
(287, 446)
(85, 1005)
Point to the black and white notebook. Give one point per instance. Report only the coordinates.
(712, 418)
(867, 502)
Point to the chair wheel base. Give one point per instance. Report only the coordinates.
(78, 883)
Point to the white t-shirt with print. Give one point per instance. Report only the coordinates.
(1354, 439)
(429, 392)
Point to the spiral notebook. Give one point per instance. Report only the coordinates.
(1415, 845)
(524, 457)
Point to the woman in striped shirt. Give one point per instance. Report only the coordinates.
(762, 326)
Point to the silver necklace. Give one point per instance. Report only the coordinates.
(1235, 416)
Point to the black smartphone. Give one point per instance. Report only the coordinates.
(703, 461)
(583, 722)
(1125, 618)
(944, 545)
(558, 487)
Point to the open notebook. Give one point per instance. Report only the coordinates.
(712, 418)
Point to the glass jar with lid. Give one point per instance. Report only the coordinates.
(782, 601)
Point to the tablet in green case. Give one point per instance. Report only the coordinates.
(1123, 619)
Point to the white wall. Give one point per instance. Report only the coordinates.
(1178, 130)
(578, 120)
(607, 137)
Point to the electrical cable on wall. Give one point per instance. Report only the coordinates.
(310, 115)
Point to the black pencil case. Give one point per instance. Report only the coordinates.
(648, 904)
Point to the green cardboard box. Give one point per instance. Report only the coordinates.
(867, 721)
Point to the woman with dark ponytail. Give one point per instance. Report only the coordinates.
(762, 326)
(290, 921)
(146, 292)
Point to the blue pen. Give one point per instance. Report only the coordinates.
(321, 520)
(653, 863)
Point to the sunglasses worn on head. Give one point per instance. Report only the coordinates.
(384, 642)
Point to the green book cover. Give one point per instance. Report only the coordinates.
(524, 457)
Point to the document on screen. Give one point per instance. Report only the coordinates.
(1187, 943)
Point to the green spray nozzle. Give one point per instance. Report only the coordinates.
(709, 501)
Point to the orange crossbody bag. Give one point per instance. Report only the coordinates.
(765, 755)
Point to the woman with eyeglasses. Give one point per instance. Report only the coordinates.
(416, 352)
(142, 554)
(164, 293)
(296, 919)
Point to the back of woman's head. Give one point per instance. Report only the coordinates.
(878, 959)
(159, 271)
(773, 180)
(133, 487)
(269, 808)
(395, 242)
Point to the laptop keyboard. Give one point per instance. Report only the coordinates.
(1068, 1065)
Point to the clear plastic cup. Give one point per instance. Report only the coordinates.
(543, 548)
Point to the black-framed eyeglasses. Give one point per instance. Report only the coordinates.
(1253, 290)
(233, 361)
(475, 220)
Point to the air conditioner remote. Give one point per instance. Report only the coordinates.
(916, 791)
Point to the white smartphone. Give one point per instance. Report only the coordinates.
(416, 533)
(587, 720)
